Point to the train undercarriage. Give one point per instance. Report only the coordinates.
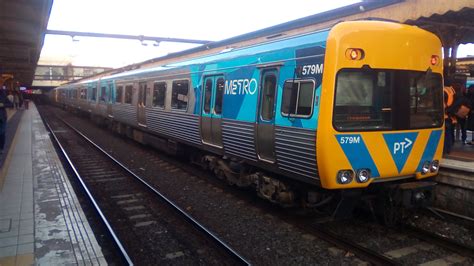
(391, 202)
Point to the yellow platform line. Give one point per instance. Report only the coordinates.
(19, 260)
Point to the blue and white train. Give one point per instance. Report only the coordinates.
(356, 108)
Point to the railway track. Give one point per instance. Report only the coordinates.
(397, 246)
(430, 237)
(146, 230)
(369, 255)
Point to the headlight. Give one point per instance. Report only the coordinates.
(363, 175)
(425, 168)
(434, 167)
(345, 176)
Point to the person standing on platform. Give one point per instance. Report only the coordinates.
(3, 118)
(470, 119)
(11, 99)
(461, 125)
(449, 119)
(16, 101)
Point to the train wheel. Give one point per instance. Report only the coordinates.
(389, 211)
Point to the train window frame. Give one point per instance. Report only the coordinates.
(83, 93)
(220, 95)
(111, 91)
(103, 90)
(128, 100)
(142, 94)
(154, 96)
(187, 94)
(295, 115)
(269, 116)
(207, 102)
(93, 94)
(119, 89)
(399, 118)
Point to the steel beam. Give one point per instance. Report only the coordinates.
(122, 36)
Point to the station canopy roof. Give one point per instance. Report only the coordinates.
(455, 25)
(22, 27)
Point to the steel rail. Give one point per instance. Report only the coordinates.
(437, 211)
(318, 230)
(444, 242)
(180, 211)
(117, 242)
(358, 250)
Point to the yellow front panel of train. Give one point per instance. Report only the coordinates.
(387, 154)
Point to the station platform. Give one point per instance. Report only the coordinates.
(41, 220)
(461, 156)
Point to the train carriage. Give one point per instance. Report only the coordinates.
(358, 105)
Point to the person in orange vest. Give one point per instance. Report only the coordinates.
(449, 118)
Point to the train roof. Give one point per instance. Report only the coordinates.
(299, 41)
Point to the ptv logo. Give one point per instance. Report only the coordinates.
(401, 146)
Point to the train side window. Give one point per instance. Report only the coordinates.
(159, 94)
(179, 94)
(110, 92)
(219, 96)
(94, 93)
(103, 94)
(83, 93)
(207, 96)
(298, 96)
(268, 97)
(128, 94)
(119, 94)
(142, 88)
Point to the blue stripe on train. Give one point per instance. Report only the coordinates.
(430, 149)
(400, 146)
(357, 153)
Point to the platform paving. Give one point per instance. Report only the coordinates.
(41, 220)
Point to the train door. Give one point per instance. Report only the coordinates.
(266, 116)
(141, 104)
(95, 97)
(211, 113)
(111, 98)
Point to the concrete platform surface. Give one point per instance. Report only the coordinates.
(462, 156)
(41, 220)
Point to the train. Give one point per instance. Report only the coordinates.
(326, 116)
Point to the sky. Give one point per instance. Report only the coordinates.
(203, 19)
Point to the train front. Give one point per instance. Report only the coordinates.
(381, 116)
